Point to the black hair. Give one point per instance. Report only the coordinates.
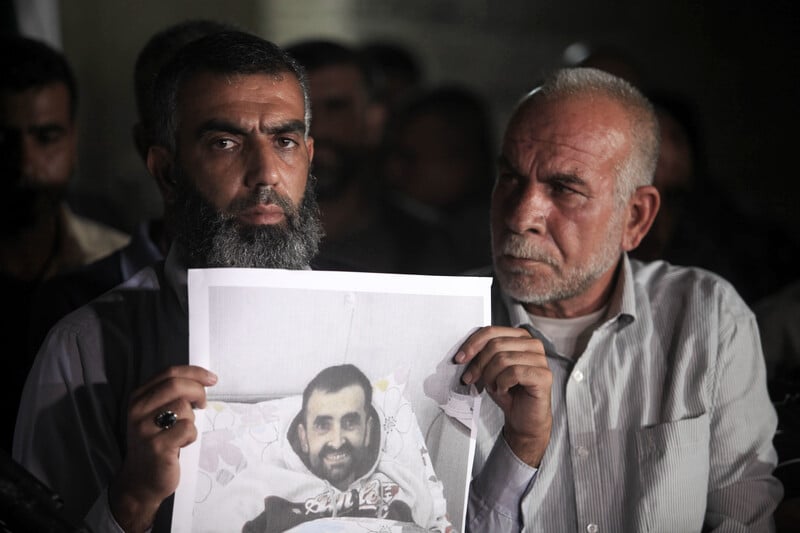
(314, 54)
(336, 378)
(157, 51)
(27, 63)
(227, 52)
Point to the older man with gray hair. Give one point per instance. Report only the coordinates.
(627, 396)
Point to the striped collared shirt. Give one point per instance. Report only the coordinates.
(662, 424)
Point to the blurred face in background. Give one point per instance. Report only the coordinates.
(38, 143)
(339, 109)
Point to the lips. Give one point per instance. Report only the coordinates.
(518, 262)
(337, 458)
(263, 214)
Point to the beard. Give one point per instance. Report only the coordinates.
(339, 473)
(212, 238)
(552, 280)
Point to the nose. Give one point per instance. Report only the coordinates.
(526, 208)
(335, 438)
(263, 166)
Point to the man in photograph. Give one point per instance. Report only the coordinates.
(337, 437)
(337, 432)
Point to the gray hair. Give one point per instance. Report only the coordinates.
(638, 169)
(224, 53)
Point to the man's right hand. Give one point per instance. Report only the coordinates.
(512, 366)
(151, 469)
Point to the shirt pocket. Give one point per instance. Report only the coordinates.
(673, 460)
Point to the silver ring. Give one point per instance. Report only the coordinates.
(166, 419)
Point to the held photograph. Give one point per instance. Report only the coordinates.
(338, 406)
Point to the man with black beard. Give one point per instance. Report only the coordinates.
(110, 384)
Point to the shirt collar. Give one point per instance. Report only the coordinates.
(177, 276)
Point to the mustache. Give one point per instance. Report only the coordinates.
(264, 195)
(346, 447)
(519, 246)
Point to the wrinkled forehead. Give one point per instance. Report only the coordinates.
(580, 122)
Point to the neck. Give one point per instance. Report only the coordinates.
(596, 297)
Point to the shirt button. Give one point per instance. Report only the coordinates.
(592, 528)
(577, 376)
(582, 453)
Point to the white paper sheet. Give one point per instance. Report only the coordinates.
(267, 333)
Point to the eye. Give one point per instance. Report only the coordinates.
(286, 142)
(508, 178)
(322, 426)
(48, 135)
(568, 188)
(223, 143)
(351, 422)
(560, 188)
(506, 175)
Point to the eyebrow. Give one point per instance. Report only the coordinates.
(503, 162)
(216, 124)
(562, 177)
(322, 418)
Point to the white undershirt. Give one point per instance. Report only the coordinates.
(568, 335)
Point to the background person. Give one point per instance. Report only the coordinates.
(346, 115)
(437, 163)
(40, 236)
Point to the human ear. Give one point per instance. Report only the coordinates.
(310, 148)
(301, 434)
(641, 212)
(368, 436)
(159, 164)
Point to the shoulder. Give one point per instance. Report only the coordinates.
(665, 283)
(94, 238)
(114, 301)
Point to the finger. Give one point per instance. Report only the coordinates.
(148, 424)
(536, 380)
(477, 341)
(504, 351)
(508, 353)
(190, 372)
(183, 433)
(165, 392)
